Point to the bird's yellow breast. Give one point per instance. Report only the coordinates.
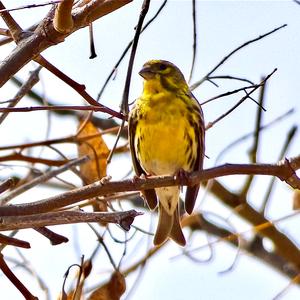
(164, 140)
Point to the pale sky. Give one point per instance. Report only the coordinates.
(222, 26)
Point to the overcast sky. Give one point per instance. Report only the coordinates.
(222, 26)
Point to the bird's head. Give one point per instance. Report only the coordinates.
(164, 72)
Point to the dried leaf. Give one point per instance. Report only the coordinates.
(75, 294)
(296, 199)
(85, 272)
(97, 150)
(112, 290)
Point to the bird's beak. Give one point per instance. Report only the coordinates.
(146, 73)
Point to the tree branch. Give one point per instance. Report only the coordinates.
(124, 219)
(284, 170)
(46, 36)
(14, 280)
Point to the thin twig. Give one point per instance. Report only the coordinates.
(124, 104)
(79, 88)
(211, 124)
(116, 142)
(26, 86)
(127, 49)
(230, 77)
(26, 265)
(43, 178)
(143, 13)
(63, 107)
(101, 241)
(289, 138)
(257, 134)
(250, 134)
(194, 40)
(13, 26)
(70, 139)
(196, 84)
(31, 6)
(245, 88)
(21, 157)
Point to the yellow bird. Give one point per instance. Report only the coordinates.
(166, 132)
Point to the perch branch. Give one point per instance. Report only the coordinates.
(284, 170)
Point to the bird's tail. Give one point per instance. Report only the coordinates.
(168, 226)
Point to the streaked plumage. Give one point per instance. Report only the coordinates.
(166, 131)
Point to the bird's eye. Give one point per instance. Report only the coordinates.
(162, 67)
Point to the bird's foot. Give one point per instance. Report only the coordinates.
(182, 176)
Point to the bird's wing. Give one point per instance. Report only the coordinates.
(149, 195)
(199, 127)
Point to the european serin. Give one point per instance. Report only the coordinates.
(166, 130)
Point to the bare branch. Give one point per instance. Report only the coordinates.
(284, 170)
(43, 178)
(15, 281)
(63, 107)
(124, 219)
(45, 35)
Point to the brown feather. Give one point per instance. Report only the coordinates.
(165, 223)
(151, 198)
(168, 226)
(192, 191)
(190, 198)
(176, 233)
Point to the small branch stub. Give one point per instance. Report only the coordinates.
(63, 21)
